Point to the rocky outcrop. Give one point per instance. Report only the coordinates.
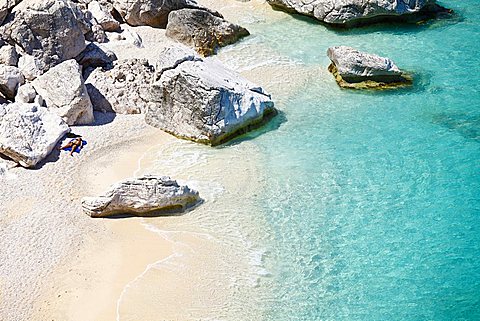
(123, 89)
(202, 30)
(152, 13)
(64, 92)
(354, 12)
(144, 196)
(103, 16)
(10, 79)
(200, 100)
(50, 31)
(28, 133)
(8, 55)
(356, 69)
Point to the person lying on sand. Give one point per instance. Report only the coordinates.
(74, 144)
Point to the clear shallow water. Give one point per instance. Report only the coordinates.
(373, 199)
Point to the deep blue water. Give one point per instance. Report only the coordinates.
(374, 197)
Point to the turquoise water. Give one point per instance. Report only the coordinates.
(373, 199)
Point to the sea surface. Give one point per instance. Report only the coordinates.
(359, 205)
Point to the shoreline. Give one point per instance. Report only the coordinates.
(88, 253)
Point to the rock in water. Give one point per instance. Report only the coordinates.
(10, 79)
(356, 69)
(352, 12)
(152, 13)
(65, 93)
(202, 30)
(201, 100)
(51, 31)
(28, 133)
(144, 196)
(122, 89)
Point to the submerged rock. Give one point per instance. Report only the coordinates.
(356, 69)
(202, 30)
(201, 100)
(144, 196)
(65, 93)
(28, 133)
(353, 12)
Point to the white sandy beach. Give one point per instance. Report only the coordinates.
(59, 264)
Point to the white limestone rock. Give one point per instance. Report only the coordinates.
(352, 67)
(51, 31)
(26, 94)
(30, 67)
(28, 133)
(65, 93)
(350, 12)
(144, 196)
(199, 99)
(103, 16)
(10, 79)
(8, 55)
(122, 89)
(152, 13)
(203, 30)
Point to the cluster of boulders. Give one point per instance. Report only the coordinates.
(349, 13)
(54, 74)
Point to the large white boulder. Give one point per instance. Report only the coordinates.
(144, 196)
(64, 92)
(199, 99)
(203, 30)
(356, 69)
(28, 133)
(351, 12)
